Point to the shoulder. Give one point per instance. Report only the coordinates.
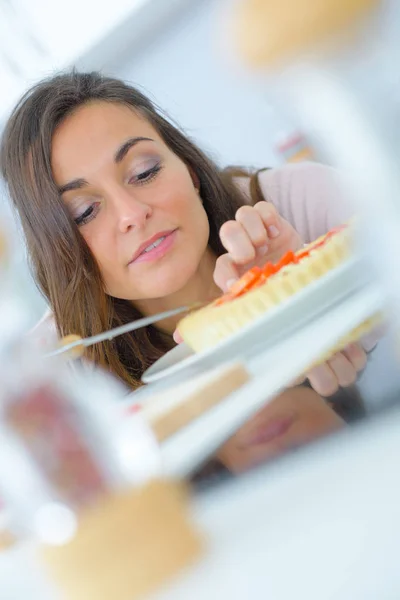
(291, 180)
(308, 195)
(294, 177)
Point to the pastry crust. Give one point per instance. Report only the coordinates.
(211, 325)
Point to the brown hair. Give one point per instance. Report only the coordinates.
(62, 264)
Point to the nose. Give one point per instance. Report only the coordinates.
(130, 212)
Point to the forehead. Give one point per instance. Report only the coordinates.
(96, 130)
(105, 117)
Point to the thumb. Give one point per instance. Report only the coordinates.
(370, 340)
(225, 272)
(178, 339)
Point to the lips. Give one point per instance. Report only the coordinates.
(272, 429)
(150, 243)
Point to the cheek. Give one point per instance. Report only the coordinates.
(184, 204)
(184, 208)
(316, 424)
(175, 193)
(95, 237)
(238, 459)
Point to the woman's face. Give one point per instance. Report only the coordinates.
(293, 419)
(134, 201)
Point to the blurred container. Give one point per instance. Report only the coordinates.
(293, 147)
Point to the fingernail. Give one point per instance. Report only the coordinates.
(263, 250)
(230, 283)
(273, 231)
(178, 339)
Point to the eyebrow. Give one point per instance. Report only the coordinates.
(126, 146)
(119, 156)
(76, 184)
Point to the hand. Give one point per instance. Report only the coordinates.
(257, 235)
(344, 367)
(339, 371)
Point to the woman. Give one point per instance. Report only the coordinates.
(124, 216)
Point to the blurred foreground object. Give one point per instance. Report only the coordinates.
(294, 147)
(102, 530)
(79, 479)
(175, 406)
(268, 31)
(128, 545)
(321, 84)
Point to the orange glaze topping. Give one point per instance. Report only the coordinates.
(257, 276)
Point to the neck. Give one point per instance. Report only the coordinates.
(200, 288)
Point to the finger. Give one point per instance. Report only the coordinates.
(356, 355)
(178, 339)
(270, 218)
(370, 340)
(235, 239)
(297, 381)
(323, 380)
(252, 223)
(343, 369)
(225, 272)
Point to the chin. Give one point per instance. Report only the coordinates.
(160, 286)
(170, 280)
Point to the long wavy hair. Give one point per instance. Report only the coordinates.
(63, 267)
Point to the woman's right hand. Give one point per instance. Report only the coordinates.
(257, 235)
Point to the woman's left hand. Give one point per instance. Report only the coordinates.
(344, 367)
(341, 370)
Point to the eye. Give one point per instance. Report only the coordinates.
(147, 175)
(87, 215)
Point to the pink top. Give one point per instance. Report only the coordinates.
(305, 194)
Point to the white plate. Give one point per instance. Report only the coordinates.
(268, 329)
